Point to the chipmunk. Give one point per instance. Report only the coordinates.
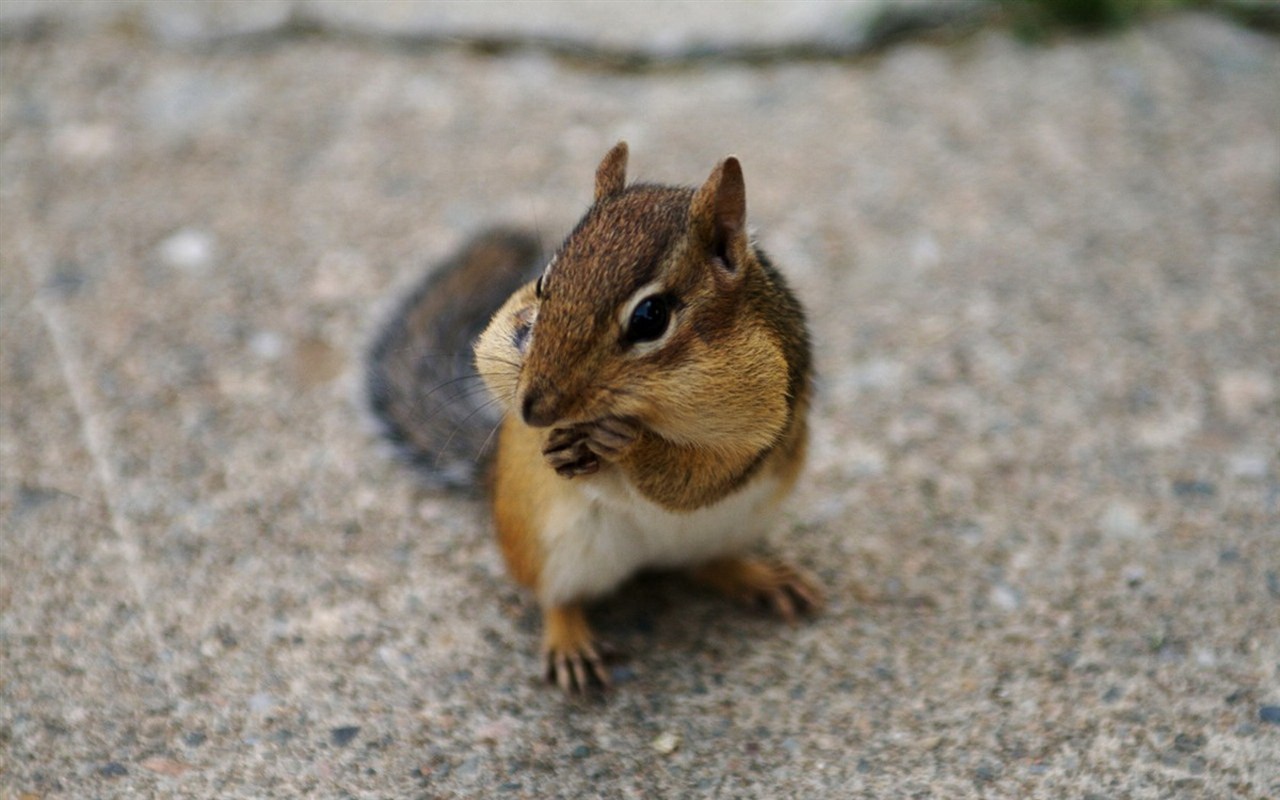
(654, 379)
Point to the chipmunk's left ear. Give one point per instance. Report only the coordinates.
(611, 175)
(719, 216)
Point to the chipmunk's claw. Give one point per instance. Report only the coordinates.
(578, 671)
(776, 585)
(610, 437)
(574, 659)
(794, 593)
(568, 454)
(584, 466)
(577, 449)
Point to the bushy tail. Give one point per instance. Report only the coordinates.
(422, 381)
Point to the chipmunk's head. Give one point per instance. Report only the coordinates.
(651, 311)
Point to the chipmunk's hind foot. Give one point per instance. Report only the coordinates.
(575, 660)
(786, 590)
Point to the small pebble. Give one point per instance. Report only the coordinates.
(1237, 696)
(1005, 597)
(925, 252)
(67, 279)
(267, 345)
(666, 743)
(1242, 392)
(1121, 520)
(343, 736)
(1269, 714)
(877, 374)
(166, 766)
(189, 250)
(261, 703)
(1167, 431)
(86, 144)
(1186, 743)
(1194, 489)
(1250, 466)
(113, 769)
(581, 751)
(496, 730)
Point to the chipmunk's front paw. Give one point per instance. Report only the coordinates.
(610, 437)
(567, 452)
(577, 449)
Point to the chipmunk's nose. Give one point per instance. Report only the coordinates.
(539, 408)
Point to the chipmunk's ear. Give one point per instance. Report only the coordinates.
(719, 215)
(611, 175)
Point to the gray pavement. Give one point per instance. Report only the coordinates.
(1045, 486)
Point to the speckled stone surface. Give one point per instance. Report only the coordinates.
(1045, 487)
(661, 30)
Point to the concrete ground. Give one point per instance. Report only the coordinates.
(1045, 488)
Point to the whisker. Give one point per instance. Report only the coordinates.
(461, 424)
(451, 382)
(497, 360)
(447, 408)
(485, 444)
(413, 350)
(426, 382)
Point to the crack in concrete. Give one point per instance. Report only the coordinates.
(96, 442)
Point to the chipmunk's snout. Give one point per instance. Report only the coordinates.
(539, 408)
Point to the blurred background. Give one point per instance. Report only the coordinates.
(1038, 244)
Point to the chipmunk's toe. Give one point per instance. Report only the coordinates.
(577, 449)
(567, 451)
(611, 436)
(574, 659)
(791, 593)
(578, 671)
(776, 585)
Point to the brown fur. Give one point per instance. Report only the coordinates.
(722, 393)
(520, 493)
(689, 420)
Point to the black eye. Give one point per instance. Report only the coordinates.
(650, 318)
(537, 288)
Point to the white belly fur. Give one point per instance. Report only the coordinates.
(601, 531)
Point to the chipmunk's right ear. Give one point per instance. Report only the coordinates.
(611, 175)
